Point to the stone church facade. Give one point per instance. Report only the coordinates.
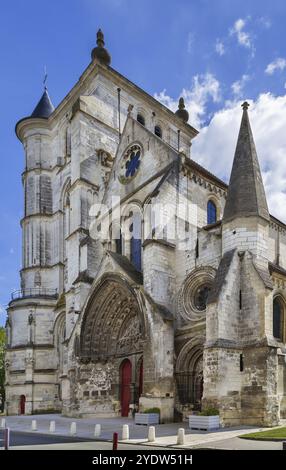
(122, 309)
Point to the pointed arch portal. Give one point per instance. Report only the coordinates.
(113, 323)
(111, 344)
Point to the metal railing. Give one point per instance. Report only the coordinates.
(34, 292)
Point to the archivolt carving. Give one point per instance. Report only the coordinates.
(198, 278)
(113, 323)
(189, 354)
(130, 336)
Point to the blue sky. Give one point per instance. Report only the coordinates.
(215, 53)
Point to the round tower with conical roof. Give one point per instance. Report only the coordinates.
(34, 132)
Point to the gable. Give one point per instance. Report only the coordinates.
(155, 158)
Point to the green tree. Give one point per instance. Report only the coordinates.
(2, 367)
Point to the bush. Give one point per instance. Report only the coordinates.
(209, 412)
(152, 410)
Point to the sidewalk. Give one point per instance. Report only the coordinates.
(166, 434)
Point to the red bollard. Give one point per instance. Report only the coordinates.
(115, 441)
(6, 438)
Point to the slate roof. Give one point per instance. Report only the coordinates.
(265, 276)
(161, 309)
(220, 276)
(276, 269)
(44, 107)
(246, 195)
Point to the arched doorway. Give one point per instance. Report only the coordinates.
(125, 379)
(111, 346)
(189, 375)
(198, 383)
(22, 404)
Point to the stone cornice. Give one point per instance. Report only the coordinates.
(155, 241)
(83, 181)
(29, 346)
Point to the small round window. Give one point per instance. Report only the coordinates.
(130, 164)
(201, 297)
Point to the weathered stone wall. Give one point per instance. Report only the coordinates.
(72, 162)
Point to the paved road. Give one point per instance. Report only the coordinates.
(25, 438)
(166, 434)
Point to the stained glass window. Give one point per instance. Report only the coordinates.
(201, 297)
(132, 164)
(212, 212)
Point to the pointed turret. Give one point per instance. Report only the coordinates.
(44, 107)
(246, 194)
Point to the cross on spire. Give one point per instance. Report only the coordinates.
(45, 77)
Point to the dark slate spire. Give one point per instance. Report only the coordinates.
(44, 108)
(181, 111)
(99, 52)
(246, 195)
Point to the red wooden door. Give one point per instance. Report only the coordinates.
(22, 404)
(126, 371)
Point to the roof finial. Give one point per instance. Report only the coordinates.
(45, 77)
(181, 103)
(245, 106)
(181, 111)
(99, 52)
(100, 38)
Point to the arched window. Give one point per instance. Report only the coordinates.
(135, 241)
(158, 131)
(141, 119)
(76, 346)
(212, 212)
(118, 243)
(115, 234)
(278, 319)
(68, 142)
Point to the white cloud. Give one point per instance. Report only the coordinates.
(265, 22)
(277, 64)
(204, 88)
(238, 86)
(215, 145)
(11, 251)
(219, 47)
(2, 310)
(243, 37)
